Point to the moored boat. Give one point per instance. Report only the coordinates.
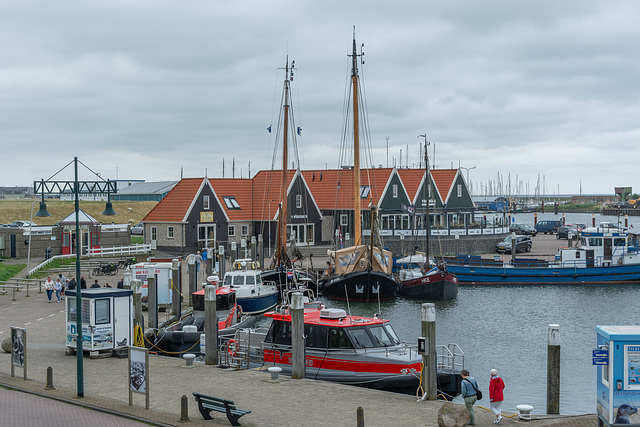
(184, 336)
(356, 350)
(605, 256)
(253, 294)
(432, 285)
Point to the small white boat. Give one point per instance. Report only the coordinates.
(252, 293)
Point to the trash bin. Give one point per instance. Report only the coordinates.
(47, 253)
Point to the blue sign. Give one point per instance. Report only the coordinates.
(600, 360)
(600, 353)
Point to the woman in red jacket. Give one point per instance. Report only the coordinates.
(496, 385)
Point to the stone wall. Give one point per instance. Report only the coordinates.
(466, 245)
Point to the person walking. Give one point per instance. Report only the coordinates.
(204, 257)
(48, 286)
(58, 288)
(95, 284)
(198, 262)
(83, 283)
(496, 385)
(469, 394)
(72, 284)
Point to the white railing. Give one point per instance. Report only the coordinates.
(120, 250)
(48, 261)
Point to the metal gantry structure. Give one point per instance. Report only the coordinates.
(76, 187)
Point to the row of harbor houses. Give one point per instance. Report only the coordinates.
(209, 212)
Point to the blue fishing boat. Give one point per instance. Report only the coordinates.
(603, 256)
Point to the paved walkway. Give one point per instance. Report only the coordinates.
(287, 403)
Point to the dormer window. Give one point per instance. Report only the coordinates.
(365, 190)
(205, 203)
(231, 202)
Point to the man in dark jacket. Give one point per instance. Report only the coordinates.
(72, 284)
(83, 283)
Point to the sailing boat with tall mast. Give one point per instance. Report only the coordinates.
(422, 281)
(282, 271)
(362, 272)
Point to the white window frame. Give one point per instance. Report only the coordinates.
(299, 201)
(395, 191)
(205, 203)
(170, 232)
(344, 220)
(459, 187)
(231, 231)
(244, 230)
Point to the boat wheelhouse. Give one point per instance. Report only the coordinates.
(253, 294)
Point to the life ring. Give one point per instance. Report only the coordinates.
(230, 350)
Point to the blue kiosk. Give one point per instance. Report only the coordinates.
(618, 375)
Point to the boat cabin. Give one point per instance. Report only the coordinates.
(601, 247)
(332, 329)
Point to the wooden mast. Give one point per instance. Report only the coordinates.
(282, 216)
(427, 183)
(356, 146)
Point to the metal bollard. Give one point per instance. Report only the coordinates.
(184, 409)
(49, 379)
(274, 371)
(14, 294)
(28, 289)
(360, 417)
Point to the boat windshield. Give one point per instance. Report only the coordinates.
(251, 280)
(227, 280)
(384, 336)
(238, 280)
(360, 338)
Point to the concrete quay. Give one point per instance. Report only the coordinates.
(286, 403)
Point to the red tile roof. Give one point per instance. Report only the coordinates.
(323, 184)
(443, 179)
(175, 205)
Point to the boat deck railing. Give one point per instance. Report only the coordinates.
(450, 357)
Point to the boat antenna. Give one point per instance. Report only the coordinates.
(347, 296)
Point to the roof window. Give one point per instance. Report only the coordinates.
(231, 202)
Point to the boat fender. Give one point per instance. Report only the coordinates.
(239, 313)
(232, 347)
(575, 275)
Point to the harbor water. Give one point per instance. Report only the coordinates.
(506, 327)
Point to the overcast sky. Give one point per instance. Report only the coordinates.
(140, 89)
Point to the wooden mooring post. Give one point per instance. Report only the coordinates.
(297, 336)
(553, 370)
(210, 326)
(429, 377)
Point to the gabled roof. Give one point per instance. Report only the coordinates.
(442, 178)
(333, 188)
(83, 219)
(174, 207)
(238, 188)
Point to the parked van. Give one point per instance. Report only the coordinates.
(548, 226)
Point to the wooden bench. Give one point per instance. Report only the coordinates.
(206, 404)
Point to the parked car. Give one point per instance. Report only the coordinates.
(523, 244)
(579, 227)
(525, 229)
(548, 226)
(137, 229)
(567, 232)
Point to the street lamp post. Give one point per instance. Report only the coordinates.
(29, 249)
(468, 169)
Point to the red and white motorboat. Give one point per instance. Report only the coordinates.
(354, 350)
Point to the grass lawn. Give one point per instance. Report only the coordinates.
(56, 263)
(7, 271)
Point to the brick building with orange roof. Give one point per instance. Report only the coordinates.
(209, 212)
